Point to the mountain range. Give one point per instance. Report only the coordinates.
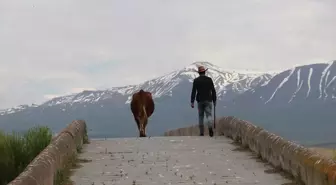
(297, 103)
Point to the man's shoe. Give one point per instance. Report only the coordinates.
(201, 128)
(211, 132)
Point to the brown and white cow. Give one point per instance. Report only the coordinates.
(142, 106)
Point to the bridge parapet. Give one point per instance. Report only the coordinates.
(55, 156)
(305, 165)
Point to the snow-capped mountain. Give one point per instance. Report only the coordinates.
(297, 103)
(310, 80)
(315, 82)
(17, 109)
(226, 82)
(163, 86)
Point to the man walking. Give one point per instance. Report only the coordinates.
(206, 94)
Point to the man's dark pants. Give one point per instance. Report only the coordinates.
(205, 109)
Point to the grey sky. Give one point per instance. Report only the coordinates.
(57, 47)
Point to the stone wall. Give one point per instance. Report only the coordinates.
(43, 168)
(305, 165)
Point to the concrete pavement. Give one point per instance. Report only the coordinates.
(172, 160)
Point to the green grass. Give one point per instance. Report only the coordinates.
(18, 150)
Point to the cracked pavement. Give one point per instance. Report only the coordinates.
(172, 160)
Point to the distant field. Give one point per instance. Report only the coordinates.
(328, 152)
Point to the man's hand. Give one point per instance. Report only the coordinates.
(192, 105)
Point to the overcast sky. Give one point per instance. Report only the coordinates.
(62, 46)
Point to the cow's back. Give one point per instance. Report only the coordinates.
(150, 106)
(140, 99)
(135, 104)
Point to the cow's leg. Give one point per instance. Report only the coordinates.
(142, 129)
(143, 123)
(140, 126)
(137, 120)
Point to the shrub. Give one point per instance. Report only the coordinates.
(18, 150)
(36, 140)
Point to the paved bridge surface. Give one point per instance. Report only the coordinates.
(172, 160)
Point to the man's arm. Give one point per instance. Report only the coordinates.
(193, 93)
(213, 92)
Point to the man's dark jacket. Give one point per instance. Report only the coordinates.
(205, 89)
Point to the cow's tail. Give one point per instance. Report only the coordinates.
(145, 112)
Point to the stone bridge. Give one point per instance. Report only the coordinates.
(240, 153)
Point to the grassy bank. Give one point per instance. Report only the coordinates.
(18, 150)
